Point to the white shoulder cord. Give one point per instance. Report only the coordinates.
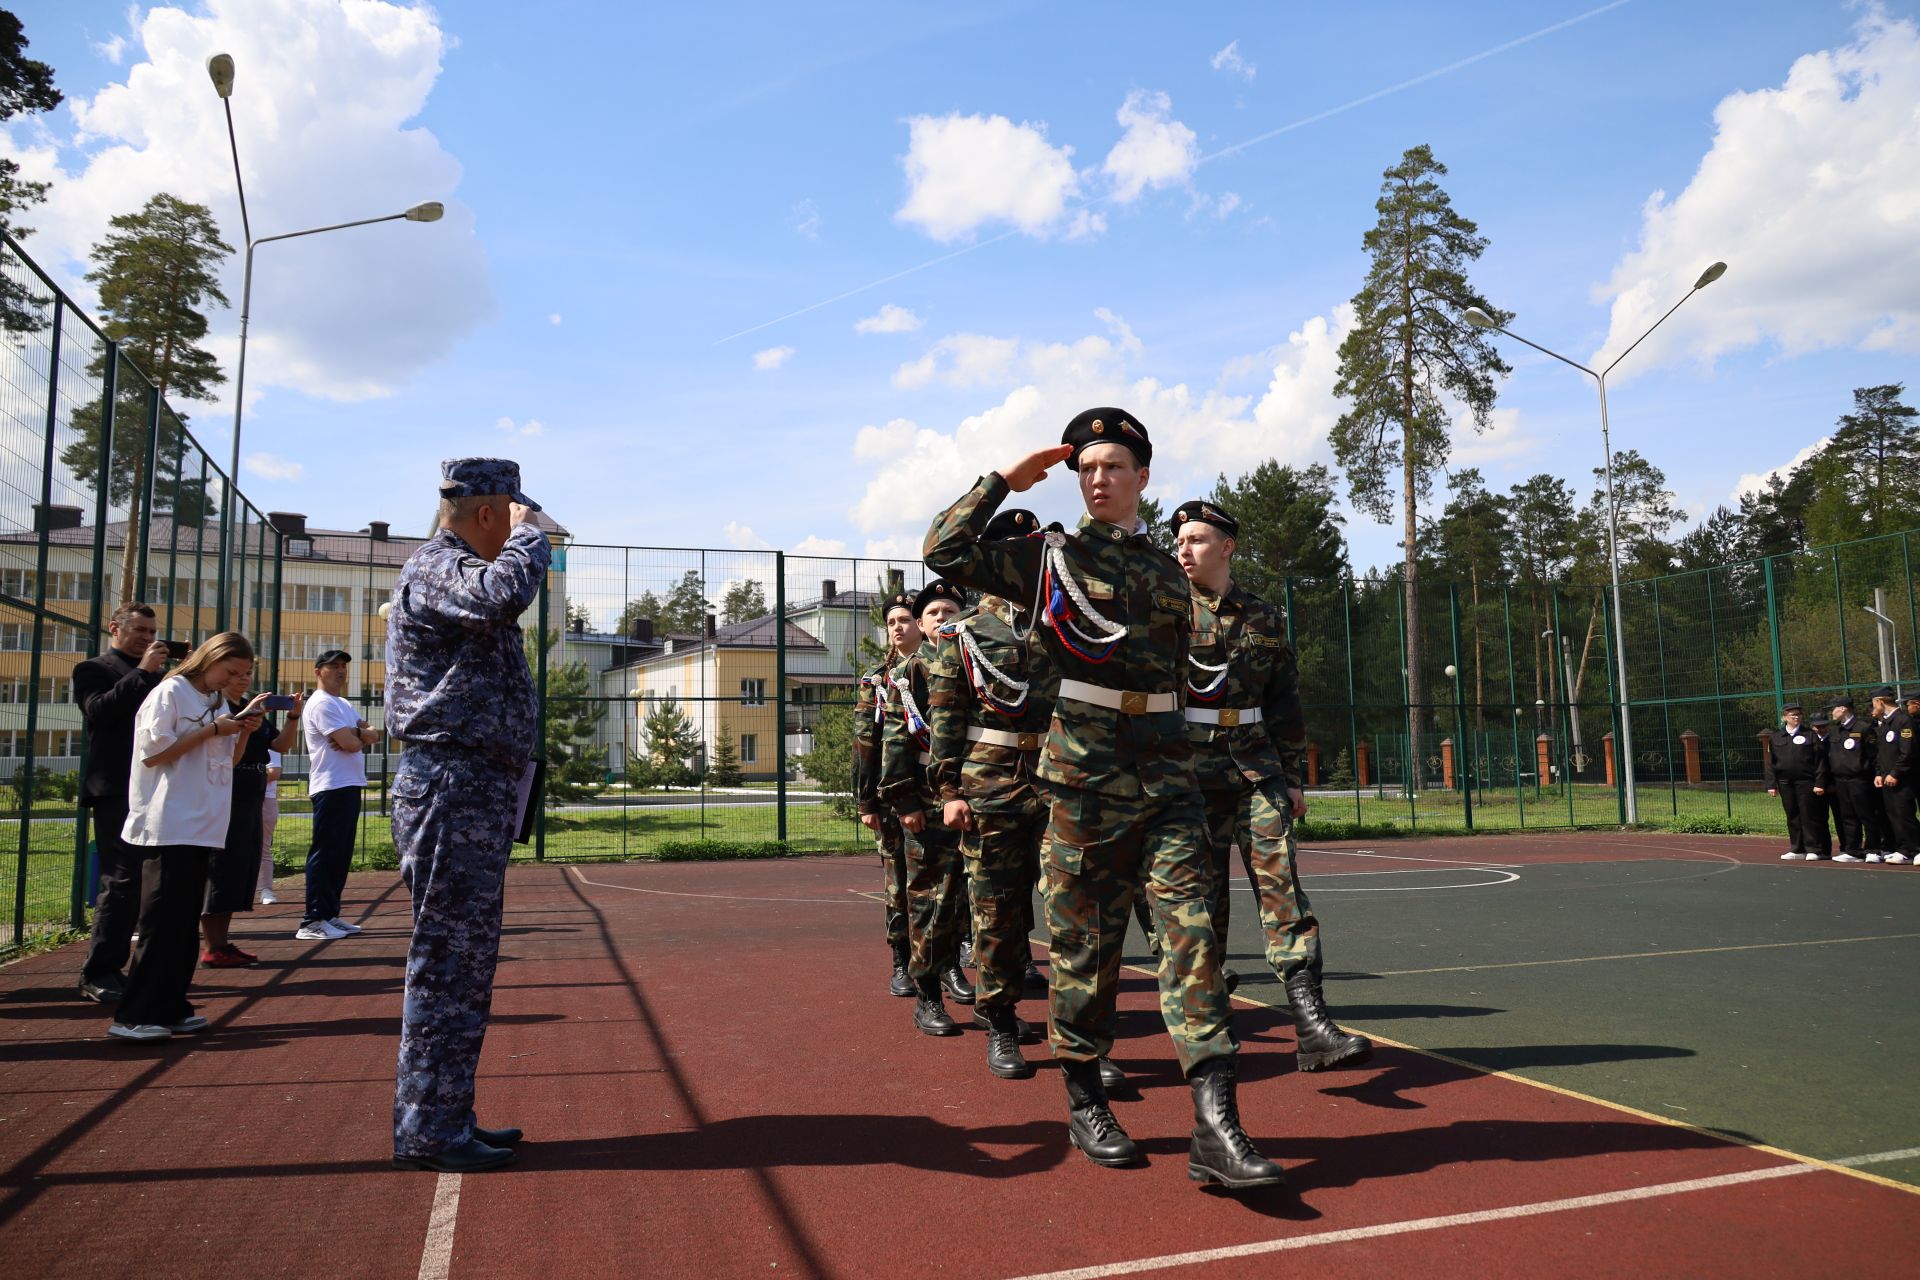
(905, 688)
(980, 664)
(1219, 674)
(1057, 561)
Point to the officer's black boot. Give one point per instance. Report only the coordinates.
(958, 989)
(1028, 1032)
(1111, 1077)
(1033, 980)
(1321, 1044)
(1090, 1125)
(902, 982)
(1221, 1151)
(1003, 1044)
(930, 1012)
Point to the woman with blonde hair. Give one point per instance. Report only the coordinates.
(179, 802)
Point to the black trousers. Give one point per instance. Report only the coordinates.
(1806, 816)
(1905, 827)
(173, 884)
(117, 908)
(1859, 815)
(336, 820)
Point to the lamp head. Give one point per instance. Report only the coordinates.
(1711, 274)
(1480, 319)
(430, 211)
(220, 71)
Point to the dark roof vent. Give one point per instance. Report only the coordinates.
(828, 590)
(378, 529)
(641, 629)
(291, 524)
(710, 626)
(55, 516)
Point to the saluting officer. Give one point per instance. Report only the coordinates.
(1125, 814)
(934, 871)
(989, 700)
(869, 714)
(1857, 811)
(1250, 745)
(1895, 765)
(460, 696)
(1797, 770)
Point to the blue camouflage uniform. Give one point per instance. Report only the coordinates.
(461, 699)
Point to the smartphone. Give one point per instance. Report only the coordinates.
(178, 649)
(278, 702)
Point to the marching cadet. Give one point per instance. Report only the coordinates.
(1125, 812)
(1797, 770)
(869, 713)
(1250, 742)
(932, 848)
(989, 701)
(1857, 810)
(1894, 768)
(461, 698)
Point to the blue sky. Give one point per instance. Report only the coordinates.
(630, 187)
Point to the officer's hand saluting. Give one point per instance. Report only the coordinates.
(1032, 469)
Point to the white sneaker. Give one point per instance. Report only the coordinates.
(318, 931)
(139, 1031)
(1898, 859)
(193, 1022)
(1876, 857)
(343, 926)
(268, 897)
(1789, 856)
(1844, 857)
(1814, 857)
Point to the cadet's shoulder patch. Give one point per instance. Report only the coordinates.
(1173, 604)
(1260, 640)
(1906, 733)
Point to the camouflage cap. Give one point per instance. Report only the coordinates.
(1107, 426)
(1206, 513)
(938, 589)
(482, 477)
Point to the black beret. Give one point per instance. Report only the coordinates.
(1841, 700)
(899, 600)
(1012, 523)
(1884, 692)
(1206, 513)
(1791, 706)
(1107, 426)
(332, 656)
(1911, 695)
(938, 590)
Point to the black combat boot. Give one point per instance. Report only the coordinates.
(1321, 1044)
(1221, 1151)
(1033, 980)
(930, 1012)
(1003, 1044)
(1028, 1032)
(1090, 1125)
(902, 982)
(958, 989)
(1111, 1077)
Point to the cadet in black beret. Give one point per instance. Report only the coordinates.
(1797, 770)
(1896, 770)
(1857, 811)
(1016, 523)
(1107, 426)
(939, 590)
(1206, 513)
(900, 600)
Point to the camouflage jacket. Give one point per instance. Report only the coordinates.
(868, 707)
(903, 784)
(1241, 660)
(1138, 590)
(963, 694)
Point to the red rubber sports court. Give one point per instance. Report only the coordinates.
(1599, 1054)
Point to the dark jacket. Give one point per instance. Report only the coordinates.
(1894, 749)
(109, 690)
(1797, 756)
(1850, 749)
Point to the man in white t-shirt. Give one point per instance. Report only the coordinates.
(337, 742)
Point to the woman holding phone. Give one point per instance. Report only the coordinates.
(180, 802)
(235, 868)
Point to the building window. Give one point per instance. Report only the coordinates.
(749, 748)
(753, 693)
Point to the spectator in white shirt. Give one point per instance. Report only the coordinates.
(337, 742)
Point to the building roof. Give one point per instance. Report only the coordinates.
(754, 633)
(862, 601)
(329, 546)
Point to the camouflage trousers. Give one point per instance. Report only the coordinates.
(453, 824)
(934, 889)
(1259, 819)
(893, 871)
(1003, 862)
(1100, 852)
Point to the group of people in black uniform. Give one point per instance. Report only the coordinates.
(1860, 768)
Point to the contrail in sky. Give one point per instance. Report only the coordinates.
(1235, 149)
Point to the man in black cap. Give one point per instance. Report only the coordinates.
(461, 697)
(1895, 765)
(871, 706)
(933, 849)
(1115, 616)
(1856, 806)
(1797, 771)
(337, 742)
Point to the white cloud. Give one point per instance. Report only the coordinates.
(269, 467)
(1502, 441)
(815, 545)
(1811, 194)
(553, 318)
(772, 358)
(326, 108)
(1154, 150)
(531, 427)
(962, 360)
(743, 538)
(113, 49)
(1230, 61)
(890, 319)
(1755, 481)
(806, 219)
(966, 171)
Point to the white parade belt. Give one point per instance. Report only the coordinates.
(1004, 738)
(1226, 717)
(1133, 704)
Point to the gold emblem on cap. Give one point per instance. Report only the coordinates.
(1098, 427)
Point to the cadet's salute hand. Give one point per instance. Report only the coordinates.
(1032, 469)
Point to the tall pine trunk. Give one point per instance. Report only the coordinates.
(1409, 492)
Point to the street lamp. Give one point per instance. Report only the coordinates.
(1481, 320)
(220, 71)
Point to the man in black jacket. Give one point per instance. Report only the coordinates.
(1895, 766)
(110, 689)
(1797, 772)
(1856, 805)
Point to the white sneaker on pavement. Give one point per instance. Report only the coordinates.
(1815, 857)
(318, 931)
(268, 897)
(1789, 856)
(1876, 857)
(139, 1031)
(1845, 857)
(343, 926)
(193, 1022)
(1898, 859)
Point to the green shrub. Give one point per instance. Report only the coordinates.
(1709, 824)
(715, 850)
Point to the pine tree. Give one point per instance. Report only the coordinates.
(830, 763)
(575, 770)
(744, 600)
(1407, 356)
(672, 744)
(723, 767)
(26, 85)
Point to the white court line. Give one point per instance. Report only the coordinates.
(1651, 955)
(1534, 1210)
(723, 897)
(1407, 857)
(438, 1253)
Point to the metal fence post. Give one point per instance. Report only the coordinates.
(140, 504)
(1462, 747)
(540, 721)
(780, 687)
(1773, 635)
(28, 757)
(109, 388)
